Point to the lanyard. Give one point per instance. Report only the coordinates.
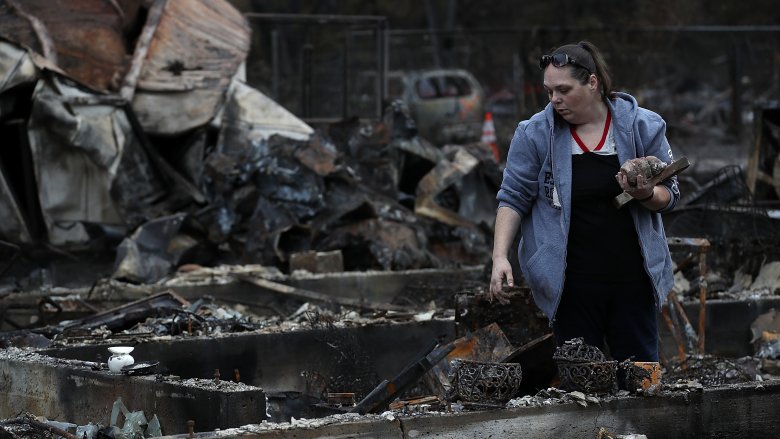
(603, 136)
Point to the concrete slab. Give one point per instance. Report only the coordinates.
(367, 428)
(274, 361)
(63, 390)
(747, 410)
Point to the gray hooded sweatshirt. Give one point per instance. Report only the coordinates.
(537, 185)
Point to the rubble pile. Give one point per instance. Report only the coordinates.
(167, 315)
(131, 130)
(742, 227)
(133, 425)
(765, 332)
(154, 146)
(28, 426)
(554, 396)
(712, 371)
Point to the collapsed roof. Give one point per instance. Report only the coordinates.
(131, 121)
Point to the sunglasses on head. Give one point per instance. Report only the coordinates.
(559, 60)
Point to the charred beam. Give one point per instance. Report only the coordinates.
(301, 293)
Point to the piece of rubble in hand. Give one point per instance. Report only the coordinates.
(649, 167)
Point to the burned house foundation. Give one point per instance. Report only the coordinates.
(184, 255)
(253, 368)
(281, 381)
(738, 411)
(72, 390)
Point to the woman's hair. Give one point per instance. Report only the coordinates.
(586, 49)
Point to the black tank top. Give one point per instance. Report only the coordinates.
(603, 244)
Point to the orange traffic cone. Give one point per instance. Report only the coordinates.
(489, 135)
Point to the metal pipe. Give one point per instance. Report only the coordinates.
(702, 294)
(431, 14)
(586, 29)
(379, 96)
(735, 72)
(677, 338)
(703, 245)
(306, 79)
(691, 337)
(371, 23)
(315, 18)
(345, 77)
(275, 64)
(385, 56)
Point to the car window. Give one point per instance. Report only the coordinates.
(442, 87)
(455, 86)
(427, 88)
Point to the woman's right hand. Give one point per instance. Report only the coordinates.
(502, 269)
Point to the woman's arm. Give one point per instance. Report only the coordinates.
(652, 197)
(507, 223)
(651, 129)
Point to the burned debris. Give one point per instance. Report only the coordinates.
(253, 269)
(170, 160)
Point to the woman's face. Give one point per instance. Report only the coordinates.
(572, 100)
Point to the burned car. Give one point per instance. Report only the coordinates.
(446, 104)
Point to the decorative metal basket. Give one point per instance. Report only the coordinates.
(576, 351)
(593, 377)
(485, 382)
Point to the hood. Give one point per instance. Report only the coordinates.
(624, 109)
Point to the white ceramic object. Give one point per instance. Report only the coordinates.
(121, 357)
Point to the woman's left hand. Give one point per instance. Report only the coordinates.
(643, 188)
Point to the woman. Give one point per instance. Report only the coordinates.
(597, 272)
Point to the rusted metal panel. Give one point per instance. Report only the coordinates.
(83, 37)
(197, 48)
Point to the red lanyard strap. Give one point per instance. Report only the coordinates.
(603, 136)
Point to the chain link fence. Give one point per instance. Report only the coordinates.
(704, 81)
